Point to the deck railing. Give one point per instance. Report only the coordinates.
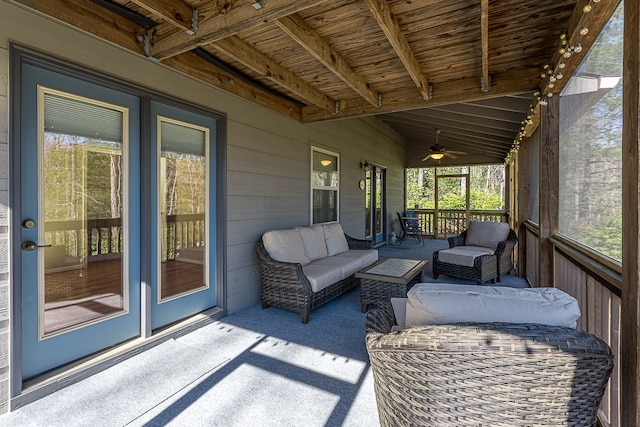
(597, 287)
(103, 237)
(451, 222)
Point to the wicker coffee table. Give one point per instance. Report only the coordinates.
(388, 278)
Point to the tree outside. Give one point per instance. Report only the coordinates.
(487, 187)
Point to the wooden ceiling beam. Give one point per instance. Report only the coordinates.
(93, 19)
(199, 68)
(485, 83)
(389, 25)
(175, 12)
(171, 42)
(307, 37)
(463, 90)
(272, 70)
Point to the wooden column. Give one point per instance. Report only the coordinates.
(548, 187)
(523, 203)
(630, 321)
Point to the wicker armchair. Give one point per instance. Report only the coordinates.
(285, 286)
(486, 267)
(489, 374)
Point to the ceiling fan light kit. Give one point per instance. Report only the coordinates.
(438, 152)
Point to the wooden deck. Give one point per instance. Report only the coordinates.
(82, 295)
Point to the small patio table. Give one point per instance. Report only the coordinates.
(388, 278)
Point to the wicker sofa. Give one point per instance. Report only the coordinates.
(515, 374)
(305, 267)
(482, 252)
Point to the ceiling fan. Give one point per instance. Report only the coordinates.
(437, 151)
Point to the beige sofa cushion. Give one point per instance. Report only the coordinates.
(321, 276)
(313, 241)
(366, 256)
(346, 265)
(334, 239)
(434, 303)
(462, 255)
(486, 234)
(285, 245)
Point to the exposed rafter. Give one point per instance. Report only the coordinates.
(485, 84)
(195, 66)
(170, 41)
(90, 17)
(391, 28)
(308, 38)
(463, 90)
(265, 66)
(175, 12)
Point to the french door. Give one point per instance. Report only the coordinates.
(115, 231)
(79, 194)
(375, 203)
(182, 143)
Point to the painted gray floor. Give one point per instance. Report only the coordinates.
(253, 368)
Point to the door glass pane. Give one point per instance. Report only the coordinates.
(367, 202)
(378, 202)
(183, 201)
(82, 196)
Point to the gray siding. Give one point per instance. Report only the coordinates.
(268, 183)
(4, 230)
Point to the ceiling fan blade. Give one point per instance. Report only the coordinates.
(456, 152)
(450, 155)
(427, 158)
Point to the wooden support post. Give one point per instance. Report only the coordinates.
(630, 314)
(548, 187)
(523, 203)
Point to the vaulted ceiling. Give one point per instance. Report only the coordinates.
(475, 69)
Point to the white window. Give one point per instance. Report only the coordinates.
(325, 182)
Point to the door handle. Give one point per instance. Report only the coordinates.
(30, 245)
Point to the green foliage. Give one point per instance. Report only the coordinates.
(486, 187)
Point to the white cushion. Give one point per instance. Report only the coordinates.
(321, 276)
(400, 312)
(285, 245)
(334, 238)
(346, 265)
(462, 255)
(486, 234)
(366, 256)
(313, 241)
(434, 303)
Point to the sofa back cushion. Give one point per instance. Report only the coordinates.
(486, 233)
(285, 245)
(313, 241)
(436, 304)
(334, 239)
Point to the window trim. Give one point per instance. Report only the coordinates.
(313, 187)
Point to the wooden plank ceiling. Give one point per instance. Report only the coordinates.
(475, 69)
